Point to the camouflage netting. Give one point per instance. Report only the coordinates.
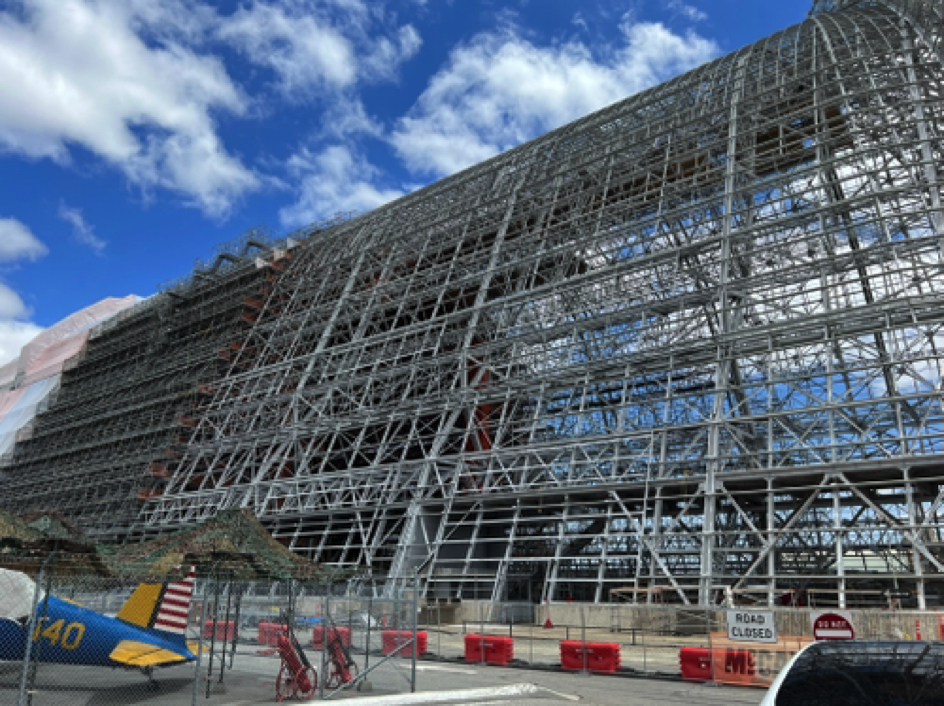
(55, 526)
(16, 534)
(233, 544)
(29, 542)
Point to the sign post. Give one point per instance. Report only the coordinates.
(833, 626)
(752, 626)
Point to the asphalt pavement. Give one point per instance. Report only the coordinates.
(252, 682)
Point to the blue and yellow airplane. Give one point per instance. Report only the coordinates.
(149, 631)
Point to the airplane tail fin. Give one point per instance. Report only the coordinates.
(161, 606)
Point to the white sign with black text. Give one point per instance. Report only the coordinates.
(752, 626)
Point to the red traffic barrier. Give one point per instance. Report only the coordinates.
(489, 649)
(401, 642)
(594, 656)
(338, 633)
(225, 630)
(269, 633)
(695, 663)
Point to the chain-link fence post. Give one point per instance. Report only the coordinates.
(584, 669)
(326, 625)
(196, 662)
(643, 615)
(481, 630)
(369, 621)
(32, 665)
(212, 655)
(32, 626)
(531, 644)
(416, 609)
(711, 652)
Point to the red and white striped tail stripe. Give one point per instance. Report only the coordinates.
(175, 605)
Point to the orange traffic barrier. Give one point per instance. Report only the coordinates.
(489, 649)
(225, 630)
(340, 633)
(269, 633)
(695, 663)
(601, 657)
(401, 642)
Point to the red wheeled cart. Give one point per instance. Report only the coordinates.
(342, 668)
(297, 678)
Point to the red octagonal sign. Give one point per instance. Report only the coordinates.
(832, 626)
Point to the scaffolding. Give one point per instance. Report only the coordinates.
(104, 445)
(687, 343)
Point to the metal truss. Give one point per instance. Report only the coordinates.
(687, 343)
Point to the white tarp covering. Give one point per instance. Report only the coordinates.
(18, 407)
(27, 381)
(16, 594)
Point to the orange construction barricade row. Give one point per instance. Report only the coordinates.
(738, 663)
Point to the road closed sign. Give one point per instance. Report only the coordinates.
(752, 626)
(833, 626)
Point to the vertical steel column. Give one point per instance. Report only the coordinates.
(604, 551)
(914, 528)
(723, 353)
(772, 538)
(839, 545)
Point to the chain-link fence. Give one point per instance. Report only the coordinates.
(674, 641)
(68, 636)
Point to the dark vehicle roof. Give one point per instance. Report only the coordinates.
(865, 673)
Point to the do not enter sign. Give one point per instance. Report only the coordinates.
(833, 626)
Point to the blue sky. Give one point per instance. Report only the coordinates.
(136, 135)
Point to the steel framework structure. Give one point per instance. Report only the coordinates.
(108, 435)
(691, 341)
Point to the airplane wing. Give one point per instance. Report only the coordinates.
(140, 654)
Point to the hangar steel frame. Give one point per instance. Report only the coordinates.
(691, 341)
(688, 343)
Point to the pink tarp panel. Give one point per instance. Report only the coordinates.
(26, 383)
(8, 373)
(45, 354)
(49, 361)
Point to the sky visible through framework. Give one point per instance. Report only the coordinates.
(145, 132)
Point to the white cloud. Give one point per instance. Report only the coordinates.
(688, 11)
(81, 230)
(315, 47)
(580, 22)
(335, 179)
(500, 90)
(117, 79)
(347, 117)
(387, 55)
(17, 242)
(14, 335)
(304, 52)
(11, 306)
